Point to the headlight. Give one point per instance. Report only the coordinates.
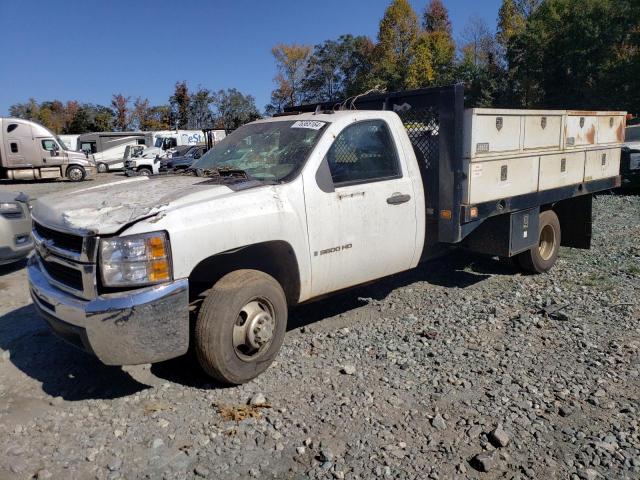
(10, 209)
(135, 260)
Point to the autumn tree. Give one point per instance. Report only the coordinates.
(291, 64)
(179, 102)
(397, 37)
(439, 41)
(120, 105)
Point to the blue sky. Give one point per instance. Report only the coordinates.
(88, 50)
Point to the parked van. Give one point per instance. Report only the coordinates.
(70, 141)
(29, 151)
(107, 148)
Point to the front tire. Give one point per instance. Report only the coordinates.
(241, 326)
(76, 173)
(541, 258)
(145, 171)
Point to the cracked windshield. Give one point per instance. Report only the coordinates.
(270, 151)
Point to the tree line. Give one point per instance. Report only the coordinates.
(541, 54)
(197, 109)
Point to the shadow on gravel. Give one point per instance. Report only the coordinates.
(63, 370)
(458, 269)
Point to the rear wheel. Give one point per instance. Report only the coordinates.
(241, 326)
(541, 258)
(76, 173)
(102, 167)
(146, 171)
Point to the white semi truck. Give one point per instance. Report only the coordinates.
(29, 151)
(289, 209)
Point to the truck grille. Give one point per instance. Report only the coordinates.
(62, 240)
(60, 273)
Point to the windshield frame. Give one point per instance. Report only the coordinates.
(297, 169)
(62, 145)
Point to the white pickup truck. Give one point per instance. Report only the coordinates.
(291, 208)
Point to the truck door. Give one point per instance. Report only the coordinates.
(51, 153)
(361, 211)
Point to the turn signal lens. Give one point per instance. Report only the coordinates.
(135, 260)
(446, 214)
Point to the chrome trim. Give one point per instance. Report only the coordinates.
(126, 328)
(88, 253)
(87, 271)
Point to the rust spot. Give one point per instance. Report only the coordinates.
(620, 131)
(591, 135)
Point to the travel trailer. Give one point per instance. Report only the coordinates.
(29, 151)
(107, 149)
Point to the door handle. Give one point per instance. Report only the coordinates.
(398, 198)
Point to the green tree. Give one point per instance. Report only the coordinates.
(511, 22)
(436, 18)
(579, 54)
(233, 109)
(180, 102)
(397, 37)
(200, 115)
(439, 40)
(338, 68)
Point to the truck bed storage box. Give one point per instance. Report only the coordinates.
(610, 128)
(490, 132)
(603, 163)
(561, 169)
(542, 131)
(580, 130)
(501, 178)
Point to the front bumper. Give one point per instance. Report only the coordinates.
(146, 325)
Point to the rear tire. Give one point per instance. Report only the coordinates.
(76, 173)
(102, 167)
(542, 257)
(241, 326)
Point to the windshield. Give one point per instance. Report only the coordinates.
(159, 141)
(266, 151)
(632, 134)
(62, 144)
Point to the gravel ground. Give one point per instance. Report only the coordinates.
(462, 368)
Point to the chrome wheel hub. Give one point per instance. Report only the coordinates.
(254, 329)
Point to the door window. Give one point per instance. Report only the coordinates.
(49, 145)
(88, 147)
(363, 152)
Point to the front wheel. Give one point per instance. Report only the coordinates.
(241, 326)
(76, 173)
(542, 257)
(145, 171)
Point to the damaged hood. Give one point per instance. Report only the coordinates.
(106, 209)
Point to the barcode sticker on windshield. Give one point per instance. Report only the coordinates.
(312, 124)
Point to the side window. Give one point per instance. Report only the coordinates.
(89, 147)
(363, 152)
(140, 141)
(14, 147)
(12, 127)
(49, 145)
